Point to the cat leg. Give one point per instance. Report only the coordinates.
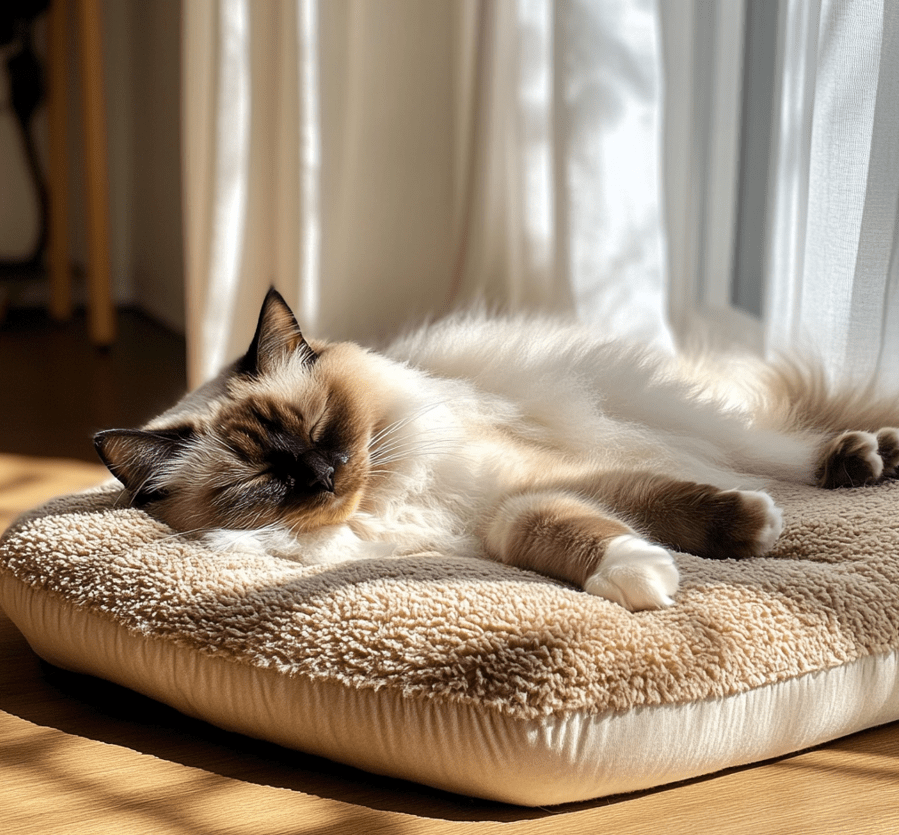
(853, 459)
(565, 536)
(693, 518)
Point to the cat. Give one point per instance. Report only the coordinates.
(521, 439)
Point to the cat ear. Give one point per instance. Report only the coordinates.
(277, 337)
(134, 456)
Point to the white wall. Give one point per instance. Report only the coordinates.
(142, 64)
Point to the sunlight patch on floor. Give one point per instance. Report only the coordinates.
(27, 481)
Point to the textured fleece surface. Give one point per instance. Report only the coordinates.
(483, 634)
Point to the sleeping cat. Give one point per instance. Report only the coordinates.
(523, 440)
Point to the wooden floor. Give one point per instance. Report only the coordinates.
(78, 755)
(58, 390)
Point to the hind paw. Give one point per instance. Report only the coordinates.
(888, 450)
(756, 526)
(854, 458)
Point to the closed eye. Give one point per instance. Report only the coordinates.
(317, 431)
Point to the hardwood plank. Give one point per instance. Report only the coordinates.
(58, 389)
(26, 482)
(52, 782)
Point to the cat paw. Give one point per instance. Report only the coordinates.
(853, 459)
(635, 575)
(888, 450)
(732, 524)
(755, 525)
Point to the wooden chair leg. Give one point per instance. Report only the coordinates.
(58, 169)
(101, 314)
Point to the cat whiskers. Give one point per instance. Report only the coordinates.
(180, 534)
(396, 426)
(382, 459)
(399, 424)
(412, 449)
(241, 515)
(388, 446)
(270, 528)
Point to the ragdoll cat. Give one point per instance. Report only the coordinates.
(524, 440)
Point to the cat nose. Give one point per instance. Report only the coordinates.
(325, 479)
(320, 470)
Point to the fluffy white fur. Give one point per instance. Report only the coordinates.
(457, 391)
(635, 574)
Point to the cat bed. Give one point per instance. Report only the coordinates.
(476, 677)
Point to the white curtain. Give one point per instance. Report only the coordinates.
(563, 209)
(384, 160)
(834, 254)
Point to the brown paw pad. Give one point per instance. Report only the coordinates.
(851, 460)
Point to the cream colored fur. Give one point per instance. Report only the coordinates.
(446, 427)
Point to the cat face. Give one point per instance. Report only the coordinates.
(284, 442)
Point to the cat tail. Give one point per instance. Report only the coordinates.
(796, 395)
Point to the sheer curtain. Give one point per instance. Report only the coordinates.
(792, 185)
(835, 187)
(318, 157)
(563, 209)
(384, 161)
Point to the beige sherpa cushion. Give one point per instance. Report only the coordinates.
(473, 676)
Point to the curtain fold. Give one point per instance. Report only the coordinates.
(609, 108)
(384, 161)
(250, 175)
(565, 210)
(835, 217)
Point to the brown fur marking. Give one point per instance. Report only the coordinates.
(559, 535)
(693, 518)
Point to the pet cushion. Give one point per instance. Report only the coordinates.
(472, 676)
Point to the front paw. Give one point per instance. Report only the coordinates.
(753, 525)
(635, 574)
